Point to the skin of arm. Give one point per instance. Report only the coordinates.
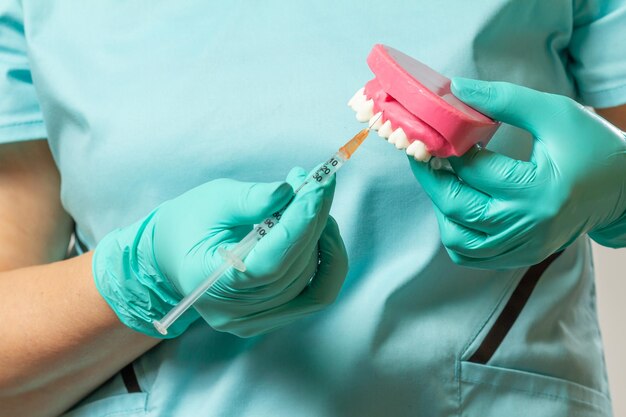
(60, 339)
(615, 115)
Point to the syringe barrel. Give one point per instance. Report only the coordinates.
(184, 304)
(320, 176)
(325, 172)
(263, 228)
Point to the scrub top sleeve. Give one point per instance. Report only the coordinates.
(20, 114)
(597, 52)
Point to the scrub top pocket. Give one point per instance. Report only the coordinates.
(492, 386)
(487, 391)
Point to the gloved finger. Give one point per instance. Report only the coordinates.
(273, 273)
(510, 103)
(301, 272)
(332, 270)
(493, 173)
(296, 233)
(298, 273)
(293, 280)
(296, 176)
(245, 203)
(459, 238)
(518, 245)
(457, 200)
(282, 278)
(510, 229)
(472, 244)
(224, 307)
(242, 295)
(320, 293)
(518, 257)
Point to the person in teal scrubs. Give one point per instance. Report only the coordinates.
(153, 131)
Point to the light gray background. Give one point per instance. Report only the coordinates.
(610, 267)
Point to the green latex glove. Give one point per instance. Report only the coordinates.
(298, 268)
(498, 212)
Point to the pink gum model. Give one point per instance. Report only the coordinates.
(412, 106)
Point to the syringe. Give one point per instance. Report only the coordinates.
(235, 258)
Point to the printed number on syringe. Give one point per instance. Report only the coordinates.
(317, 177)
(262, 229)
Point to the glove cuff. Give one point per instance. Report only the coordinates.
(127, 276)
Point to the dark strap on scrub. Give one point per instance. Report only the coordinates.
(511, 310)
(130, 378)
(79, 244)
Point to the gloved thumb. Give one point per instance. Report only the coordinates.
(296, 177)
(253, 202)
(509, 103)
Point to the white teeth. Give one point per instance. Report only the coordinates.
(391, 140)
(366, 111)
(411, 148)
(418, 151)
(385, 130)
(376, 121)
(358, 99)
(398, 138)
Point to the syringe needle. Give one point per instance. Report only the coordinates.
(352, 145)
(380, 114)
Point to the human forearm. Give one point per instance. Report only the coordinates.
(615, 115)
(60, 338)
(34, 227)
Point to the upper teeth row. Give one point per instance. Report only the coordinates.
(364, 109)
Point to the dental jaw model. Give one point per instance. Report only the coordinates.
(411, 106)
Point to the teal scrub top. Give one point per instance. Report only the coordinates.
(142, 100)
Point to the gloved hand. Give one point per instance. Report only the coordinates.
(498, 212)
(143, 270)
